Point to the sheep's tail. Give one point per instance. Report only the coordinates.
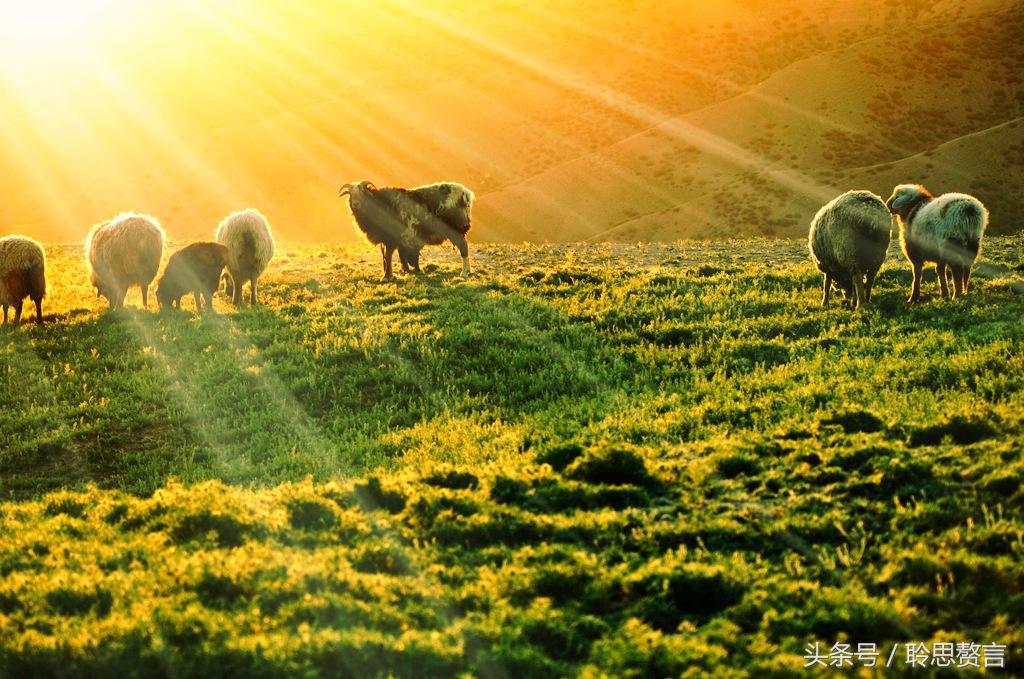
(248, 259)
(965, 219)
(965, 222)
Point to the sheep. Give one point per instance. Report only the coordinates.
(408, 219)
(123, 252)
(22, 274)
(195, 268)
(946, 230)
(250, 244)
(848, 240)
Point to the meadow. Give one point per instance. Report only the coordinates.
(594, 460)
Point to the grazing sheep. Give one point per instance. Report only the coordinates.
(124, 252)
(946, 230)
(250, 246)
(848, 240)
(408, 219)
(195, 268)
(22, 274)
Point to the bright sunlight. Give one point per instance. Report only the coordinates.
(48, 29)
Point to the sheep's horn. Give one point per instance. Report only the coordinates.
(344, 190)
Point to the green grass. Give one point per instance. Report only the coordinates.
(621, 461)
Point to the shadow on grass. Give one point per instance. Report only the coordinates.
(130, 398)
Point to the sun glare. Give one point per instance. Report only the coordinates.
(51, 29)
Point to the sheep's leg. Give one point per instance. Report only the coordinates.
(940, 271)
(199, 302)
(967, 277)
(388, 251)
(827, 291)
(915, 290)
(145, 294)
(870, 284)
(404, 258)
(459, 241)
(236, 289)
(209, 302)
(39, 311)
(252, 292)
(958, 282)
(17, 311)
(6, 307)
(859, 294)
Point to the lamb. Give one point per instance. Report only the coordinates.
(195, 268)
(408, 219)
(848, 241)
(22, 274)
(250, 244)
(123, 252)
(946, 230)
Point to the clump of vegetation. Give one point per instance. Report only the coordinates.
(614, 466)
(560, 457)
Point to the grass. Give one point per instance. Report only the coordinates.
(599, 460)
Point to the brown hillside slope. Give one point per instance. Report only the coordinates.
(880, 111)
(594, 120)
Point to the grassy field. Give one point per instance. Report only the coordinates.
(602, 460)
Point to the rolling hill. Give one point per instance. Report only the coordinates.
(591, 121)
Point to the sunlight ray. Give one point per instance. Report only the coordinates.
(654, 119)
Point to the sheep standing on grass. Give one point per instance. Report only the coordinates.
(22, 274)
(250, 246)
(848, 240)
(408, 219)
(195, 268)
(124, 252)
(946, 230)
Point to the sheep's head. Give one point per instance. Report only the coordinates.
(163, 294)
(227, 284)
(905, 196)
(357, 192)
(101, 289)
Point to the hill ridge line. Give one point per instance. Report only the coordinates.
(938, 146)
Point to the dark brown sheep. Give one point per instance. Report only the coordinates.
(22, 274)
(408, 219)
(195, 268)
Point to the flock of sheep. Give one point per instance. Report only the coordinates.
(849, 238)
(126, 250)
(850, 235)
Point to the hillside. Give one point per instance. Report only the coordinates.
(606, 460)
(590, 121)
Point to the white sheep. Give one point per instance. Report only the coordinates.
(123, 252)
(22, 274)
(946, 230)
(848, 240)
(250, 246)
